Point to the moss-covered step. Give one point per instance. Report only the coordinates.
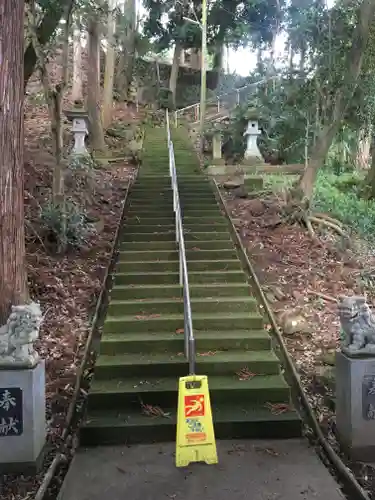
(151, 219)
(174, 266)
(188, 228)
(165, 255)
(137, 426)
(171, 245)
(170, 278)
(170, 236)
(117, 343)
(192, 192)
(174, 364)
(186, 211)
(132, 292)
(175, 322)
(174, 305)
(162, 391)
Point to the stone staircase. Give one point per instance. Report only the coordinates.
(133, 395)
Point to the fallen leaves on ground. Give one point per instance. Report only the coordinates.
(304, 277)
(245, 374)
(154, 411)
(277, 408)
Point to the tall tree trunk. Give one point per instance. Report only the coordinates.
(109, 67)
(370, 179)
(218, 61)
(124, 73)
(302, 61)
(77, 88)
(174, 70)
(342, 97)
(96, 133)
(362, 153)
(13, 280)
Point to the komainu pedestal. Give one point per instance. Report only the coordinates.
(22, 392)
(355, 379)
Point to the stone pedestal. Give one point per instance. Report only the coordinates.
(216, 149)
(22, 419)
(355, 406)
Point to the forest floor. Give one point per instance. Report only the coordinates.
(301, 279)
(67, 287)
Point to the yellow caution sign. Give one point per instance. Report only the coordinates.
(195, 440)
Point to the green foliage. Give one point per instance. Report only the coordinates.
(82, 162)
(345, 204)
(236, 22)
(69, 229)
(165, 98)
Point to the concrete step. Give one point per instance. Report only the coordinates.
(188, 228)
(117, 343)
(174, 364)
(165, 255)
(240, 421)
(152, 219)
(171, 245)
(170, 278)
(192, 192)
(162, 391)
(146, 211)
(162, 201)
(176, 306)
(175, 322)
(131, 292)
(174, 266)
(170, 236)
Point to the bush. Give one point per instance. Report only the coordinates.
(82, 162)
(345, 205)
(165, 99)
(78, 229)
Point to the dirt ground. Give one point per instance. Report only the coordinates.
(301, 279)
(67, 287)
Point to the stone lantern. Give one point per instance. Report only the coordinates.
(252, 153)
(79, 117)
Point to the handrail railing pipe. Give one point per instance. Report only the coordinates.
(232, 99)
(189, 339)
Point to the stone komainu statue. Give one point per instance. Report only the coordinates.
(357, 325)
(19, 334)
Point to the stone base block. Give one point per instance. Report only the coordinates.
(217, 161)
(22, 419)
(355, 406)
(253, 161)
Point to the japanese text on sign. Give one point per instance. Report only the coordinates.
(11, 421)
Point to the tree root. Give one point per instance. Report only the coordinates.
(328, 223)
(329, 298)
(309, 227)
(328, 218)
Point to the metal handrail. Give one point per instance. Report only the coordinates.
(189, 339)
(219, 98)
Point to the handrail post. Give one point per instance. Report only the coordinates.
(238, 97)
(218, 104)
